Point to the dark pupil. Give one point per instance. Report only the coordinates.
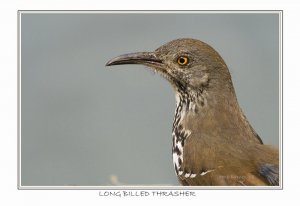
(181, 60)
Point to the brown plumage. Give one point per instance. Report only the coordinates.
(213, 142)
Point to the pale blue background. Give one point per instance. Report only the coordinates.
(83, 122)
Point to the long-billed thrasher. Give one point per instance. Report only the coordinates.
(213, 142)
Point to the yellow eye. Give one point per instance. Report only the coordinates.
(183, 60)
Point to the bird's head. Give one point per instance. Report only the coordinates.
(188, 64)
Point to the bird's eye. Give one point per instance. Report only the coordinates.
(182, 60)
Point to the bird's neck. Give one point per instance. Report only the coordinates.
(211, 113)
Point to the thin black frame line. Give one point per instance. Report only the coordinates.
(281, 92)
(280, 187)
(156, 10)
(18, 100)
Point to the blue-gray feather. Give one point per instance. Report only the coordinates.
(270, 172)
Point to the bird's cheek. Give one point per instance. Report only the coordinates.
(176, 74)
(170, 70)
(198, 78)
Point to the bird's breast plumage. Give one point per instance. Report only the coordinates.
(184, 105)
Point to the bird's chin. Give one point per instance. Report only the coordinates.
(164, 75)
(162, 72)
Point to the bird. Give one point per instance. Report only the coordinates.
(213, 143)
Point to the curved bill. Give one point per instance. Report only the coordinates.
(147, 58)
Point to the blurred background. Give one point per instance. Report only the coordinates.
(87, 125)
